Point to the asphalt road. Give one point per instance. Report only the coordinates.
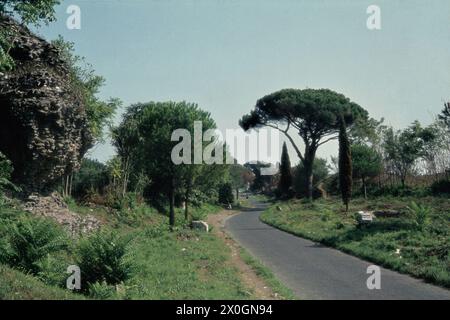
(313, 271)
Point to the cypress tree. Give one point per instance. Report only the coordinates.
(285, 182)
(345, 164)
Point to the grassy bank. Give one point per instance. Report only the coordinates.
(161, 264)
(395, 243)
(15, 285)
(182, 265)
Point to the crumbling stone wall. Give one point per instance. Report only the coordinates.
(54, 207)
(43, 123)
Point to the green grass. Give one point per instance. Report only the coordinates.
(15, 285)
(182, 264)
(423, 253)
(267, 275)
(200, 213)
(259, 197)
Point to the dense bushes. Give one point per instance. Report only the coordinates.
(42, 248)
(226, 193)
(198, 198)
(91, 178)
(441, 187)
(102, 258)
(394, 191)
(53, 268)
(29, 240)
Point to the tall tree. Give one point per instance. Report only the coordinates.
(153, 124)
(226, 194)
(345, 164)
(285, 183)
(238, 176)
(313, 114)
(366, 163)
(435, 158)
(125, 139)
(404, 147)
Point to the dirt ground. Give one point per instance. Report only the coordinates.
(248, 276)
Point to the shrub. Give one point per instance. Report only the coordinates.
(29, 240)
(102, 291)
(53, 269)
(441, 187)
(101, 258)
(420, 213)
(132, 210)
(400, 191)
(92, 177)
(129, 201)
(198, 198)
(226, 193)
(340, 225)
(155, 230)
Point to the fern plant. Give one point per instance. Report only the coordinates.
(420, 214)
(29, 240)
(102, 258)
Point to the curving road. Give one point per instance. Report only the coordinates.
(313, 271)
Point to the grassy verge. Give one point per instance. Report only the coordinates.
(182, 264)
(15, 285)
(267, 275)
(394, 243)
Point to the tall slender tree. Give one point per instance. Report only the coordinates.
(366, 163)
(345, 164)
(285, 183)
(237, 175)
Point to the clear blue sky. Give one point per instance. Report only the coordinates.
(225, 54)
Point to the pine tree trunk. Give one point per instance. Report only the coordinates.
(309, 176)
(345, 164)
